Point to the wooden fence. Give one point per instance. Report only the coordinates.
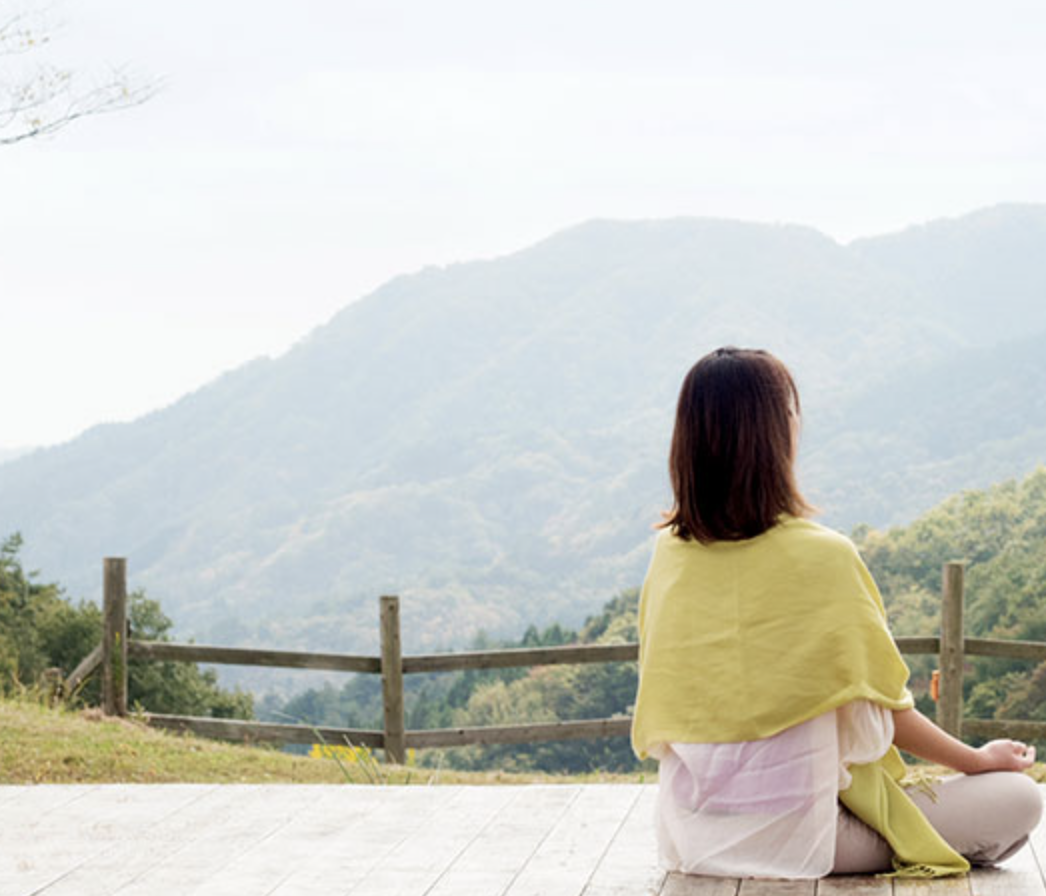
(117, 648)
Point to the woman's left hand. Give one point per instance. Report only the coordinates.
(1004, 756)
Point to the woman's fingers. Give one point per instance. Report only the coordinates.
(1027, 756)
(1007, 755)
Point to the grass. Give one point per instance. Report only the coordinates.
(44, 745)
(41, 744)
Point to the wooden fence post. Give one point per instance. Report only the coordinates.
(114, 637)
(392, 680)
(949, 704)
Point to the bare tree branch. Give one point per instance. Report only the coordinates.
(45, 99)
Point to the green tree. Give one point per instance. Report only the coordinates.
(178, 688)
(40, 629)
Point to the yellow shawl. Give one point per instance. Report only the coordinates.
(740, 640)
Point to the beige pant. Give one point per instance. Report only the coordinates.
(984, 817)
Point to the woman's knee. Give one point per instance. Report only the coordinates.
(1022, 799)
(985, 817)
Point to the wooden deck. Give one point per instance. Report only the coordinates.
(254, 840)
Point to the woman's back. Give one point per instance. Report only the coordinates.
(742, 639)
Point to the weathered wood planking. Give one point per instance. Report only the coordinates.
(252, 816)
(522, 656)
(855, 886)
(1014, 650)
(947, 886)
(750, 887)
(517, 734)
(693, 885)
(316, 840)
(392, 681)
(565, 861)
(1017, 876)
(114, 637)
(629, 867)
(32, 859)
(163, 819)
(949, 704)
(264, 732)
(1032, 732)
(344, 846)
(172, 651)
(493, 860)
(420, 859)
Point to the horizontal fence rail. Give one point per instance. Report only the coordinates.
(266, 732)
(249, 656)
(117, 648)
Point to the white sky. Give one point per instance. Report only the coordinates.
(303, 153)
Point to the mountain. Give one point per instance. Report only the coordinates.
(488, 439)
(7, 454)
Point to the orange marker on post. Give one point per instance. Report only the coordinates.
(935, 685)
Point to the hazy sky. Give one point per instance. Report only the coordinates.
(303, 153)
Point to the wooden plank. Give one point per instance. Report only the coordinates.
(677, 884)
(272, 732)
(33, 806)
(763, 887)
(358, 838)
(146, 822)
(114, 637)
(1030, 858)
(251, 656)
(1014, 650)
(270, 865)
(521, 656)
(85, 668)
(949, 705)
(501, 659)
(565, 861)
(630, 865)
(479, 659)
(12, 792)
(419, 860)
(392, 681)
(1017, 876)
(36, 858)
(942, 886)
(248, 821)
(864, 885)
(263, 732)
(514, 734)
(1017, 729)
(499, 853)
(918, 644)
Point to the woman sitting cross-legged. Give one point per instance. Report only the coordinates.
(770, 688)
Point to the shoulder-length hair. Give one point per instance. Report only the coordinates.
(733, 447)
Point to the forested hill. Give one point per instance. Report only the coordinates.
(488, 439)
(1000, 532)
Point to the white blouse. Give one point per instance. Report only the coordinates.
(764, 808)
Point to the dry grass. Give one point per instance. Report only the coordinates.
(39, 744)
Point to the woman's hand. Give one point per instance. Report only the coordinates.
(1004, 756)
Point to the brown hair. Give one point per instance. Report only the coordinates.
(733, 447)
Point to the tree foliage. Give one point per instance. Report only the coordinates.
(503, 697)
(41, 630)
(1000, 533)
